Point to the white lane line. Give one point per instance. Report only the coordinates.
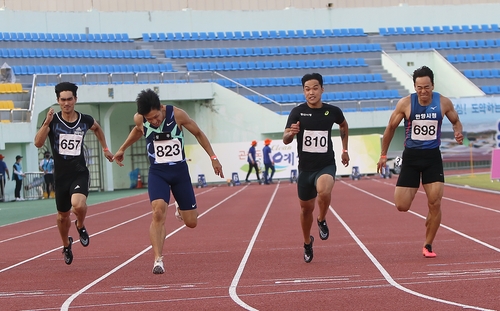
(52, 227)
(382, 270)
(496, 249)
(100, 232)
(454, 200)
(77, 241)
(239, 272)
(38, 217)
(67, 303)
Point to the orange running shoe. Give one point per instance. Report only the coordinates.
(427, 251)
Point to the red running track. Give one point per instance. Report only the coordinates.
(246, 253)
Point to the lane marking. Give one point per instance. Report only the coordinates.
(77, 241)
(67, 303)
(496, 249)
(38, 217)
(239, 272)
(453, 200)
(384, 272)
(97, 233)
(55, 226)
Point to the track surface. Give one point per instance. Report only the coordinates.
(246, 253)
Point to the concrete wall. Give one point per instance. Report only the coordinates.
(448, 80)
(213, 5)
(135, 23)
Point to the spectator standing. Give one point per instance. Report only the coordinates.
(3, 170)
(17, 176)
(47, 167)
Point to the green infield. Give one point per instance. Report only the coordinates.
(478, 180)
(11, 212)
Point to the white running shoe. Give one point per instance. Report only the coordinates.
(177, 213)
(158, 266)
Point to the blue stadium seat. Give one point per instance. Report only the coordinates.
(475, 28)
(328, 33)
(443, 45)
(309, 33)
(486, 89)
(352, 62)
(480, 44)
(220, 36)
(282, 34)
(468, 74)
(417, 45)
(360, 78)
(488, 58)
(472, 44)
(446, 29)
(456, 29)
(466, 29)
(256, 35)
(486, 73)
(494, 89)
(402, 31)
(437, 30)
(400, 46)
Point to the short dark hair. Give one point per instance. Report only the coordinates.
(312, 76)
(147, 100)
(423, 71)
(66, 86)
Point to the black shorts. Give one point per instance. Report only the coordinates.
(306, 182)
(49, 178)
(420, 163)
(66, 186)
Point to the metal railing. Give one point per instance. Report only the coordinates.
(34, 185)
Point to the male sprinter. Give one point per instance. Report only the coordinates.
(168, 171)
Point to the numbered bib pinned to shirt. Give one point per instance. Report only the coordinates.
(424, 129)
(167, 149)
(315, 141)
(70, 144)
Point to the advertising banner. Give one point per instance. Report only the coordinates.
(364, 152)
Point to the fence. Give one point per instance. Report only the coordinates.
(33, 186)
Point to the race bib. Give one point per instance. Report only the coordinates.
(315, 141)
(168, 150)
(70, 144)
(424, 129)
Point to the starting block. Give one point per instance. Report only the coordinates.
(386, 172)
(235, 180)
(293, 176)
(201, 181)
(355, 173)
